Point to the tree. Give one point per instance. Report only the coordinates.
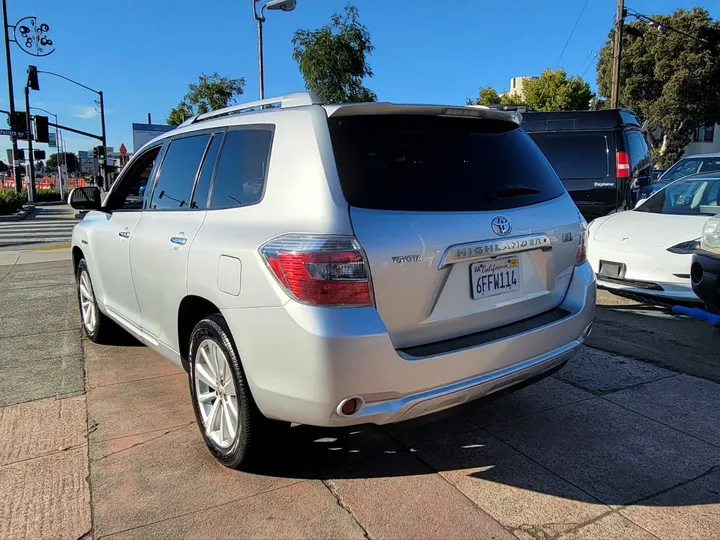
(333, 59)
(487, 95)
(210, 93)
(70, 159)
(670, 76)
(555, 91)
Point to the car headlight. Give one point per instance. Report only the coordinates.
(711, 234)
(685, 248)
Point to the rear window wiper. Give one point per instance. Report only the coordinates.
(512, 191)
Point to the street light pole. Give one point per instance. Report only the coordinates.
(11, 98)
(31, 157)
(282, 5)
(106, 185)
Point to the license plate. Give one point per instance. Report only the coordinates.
(489, 278)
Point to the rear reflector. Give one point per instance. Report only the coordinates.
(622, 162)
(581, 255)
(320, 270)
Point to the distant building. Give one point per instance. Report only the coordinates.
(516, 85)
(705, 140)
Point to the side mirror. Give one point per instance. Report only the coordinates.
(85, 198)
(640, 202)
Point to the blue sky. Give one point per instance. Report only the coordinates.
(143, 54)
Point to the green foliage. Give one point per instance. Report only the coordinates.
(670, 80)
(210, 93)
(333, 59)
(555, 91)
(45, 195)
(11, 202)
(552, 91)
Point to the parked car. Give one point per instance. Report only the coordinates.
(649, 250)
(705, 269)
(687, 166)
(602, 157)
(334, 265)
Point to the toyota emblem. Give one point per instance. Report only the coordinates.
(501, 226)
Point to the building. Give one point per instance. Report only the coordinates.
(705, 140)
(516, 85)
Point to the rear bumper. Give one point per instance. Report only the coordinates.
(302, 362)
(652, 272)
(705, 277)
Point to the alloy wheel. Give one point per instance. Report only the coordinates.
(87, 302)
(215, 394)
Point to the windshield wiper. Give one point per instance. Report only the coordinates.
(512, 191)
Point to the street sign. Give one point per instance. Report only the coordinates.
(13, 133)
(52, 139)
(123, 150)
(88, 165)
(144, 133)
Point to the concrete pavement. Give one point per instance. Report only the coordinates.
(100, 441)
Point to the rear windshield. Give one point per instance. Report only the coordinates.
(430, 163)
(575, 154)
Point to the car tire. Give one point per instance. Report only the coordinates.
(233, 428)
(95, 324)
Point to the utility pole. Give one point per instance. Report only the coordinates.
(617, 55)
(106, 184)
(11, 98)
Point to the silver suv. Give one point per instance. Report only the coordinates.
(337, 264)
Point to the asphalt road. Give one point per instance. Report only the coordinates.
(646, 330)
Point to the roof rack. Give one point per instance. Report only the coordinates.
(296, 99)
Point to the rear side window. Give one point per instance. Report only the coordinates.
(639, 151)
(179, 168)
(577, 154)
(430, 163)
(242, 169)
(200, 197)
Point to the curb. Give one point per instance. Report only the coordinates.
(26, 211)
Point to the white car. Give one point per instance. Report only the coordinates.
(333, 265)
(649, 249)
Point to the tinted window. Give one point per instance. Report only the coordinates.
(683, 168)
(639, 152)
(696, 196)
(575, 154)
(710, 165)
(200, 197)
(241, 171)
(429, 163)
(131, 190)
(177, 173)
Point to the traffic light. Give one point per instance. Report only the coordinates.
(32, 78)
(42, 130)
(99, 152)
(39, 154)
(95, 152)
(19, 122)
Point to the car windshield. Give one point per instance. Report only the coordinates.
(691, 165)
(696, 196)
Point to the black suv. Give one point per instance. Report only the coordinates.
(602, 157)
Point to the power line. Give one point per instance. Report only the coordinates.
(573, 29)
(590, 64)
(661, 26)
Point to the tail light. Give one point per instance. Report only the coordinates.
(622, 161)
(581, 255)
(319, 269)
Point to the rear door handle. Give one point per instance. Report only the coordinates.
(124, 233)
(179, 240)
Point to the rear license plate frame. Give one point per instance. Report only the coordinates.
(510, 265)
